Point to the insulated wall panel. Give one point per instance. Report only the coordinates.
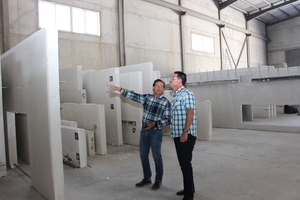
(30, 76)
(89, 117)
(132, 112)
(74, 146)
(97, 92)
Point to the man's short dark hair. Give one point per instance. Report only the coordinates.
(158, 80)
(182, 76)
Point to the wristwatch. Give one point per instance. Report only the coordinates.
(185, 130)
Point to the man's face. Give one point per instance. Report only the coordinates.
(158, 88)
(174, 80)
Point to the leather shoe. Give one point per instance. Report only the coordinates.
(188, 198)
(156, 185)
(180, 193)
(142, 183)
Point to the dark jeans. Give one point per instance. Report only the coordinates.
(153, 139)
(185, 154)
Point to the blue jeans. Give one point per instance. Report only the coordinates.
(153, 139)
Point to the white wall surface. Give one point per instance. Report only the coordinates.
(151, 34)
(30, 75)
(282, 37)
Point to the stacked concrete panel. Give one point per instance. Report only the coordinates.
(138, 78)
(90, 141)
(74, 146)
(71, 85)
(95, 84)
(132, 112)
(89, 117)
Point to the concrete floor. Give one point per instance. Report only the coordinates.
(234, 165)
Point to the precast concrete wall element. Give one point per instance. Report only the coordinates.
(30, 75)
(70, 82)
(261, 87)
(147, 74)
(204, 120)
(97, 92)
(138, 78)
(88, 116)
(132, 112)
(74, 146)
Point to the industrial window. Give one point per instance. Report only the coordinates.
(67, 18)
(202, 43)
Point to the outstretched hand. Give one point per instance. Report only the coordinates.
(113, 88)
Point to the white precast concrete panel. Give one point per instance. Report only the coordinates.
(146, 69)
(89, 117)
(73, 96)
(97, 92)
(70, 78)
(204, 120)
(30, 75)
(132, 112)
(71, 85)
(74, 146)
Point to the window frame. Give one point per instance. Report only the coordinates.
(70, 18)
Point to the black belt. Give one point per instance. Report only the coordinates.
(144, 125)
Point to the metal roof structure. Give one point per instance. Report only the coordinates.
(268, 11)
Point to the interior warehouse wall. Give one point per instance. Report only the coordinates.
(283, 37)
(151, 34)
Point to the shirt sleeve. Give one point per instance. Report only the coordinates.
(189, 101)
(140, 98)
(166, 117)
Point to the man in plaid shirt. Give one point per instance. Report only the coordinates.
(184, 130)
(156, 114)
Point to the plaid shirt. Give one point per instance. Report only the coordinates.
(182, 99)
(156, 110)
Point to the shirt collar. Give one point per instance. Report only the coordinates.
(181, 88)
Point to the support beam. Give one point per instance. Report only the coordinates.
(182, 42)
(122, 33)
(204, 17)
(252, 16)
(226, 3)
